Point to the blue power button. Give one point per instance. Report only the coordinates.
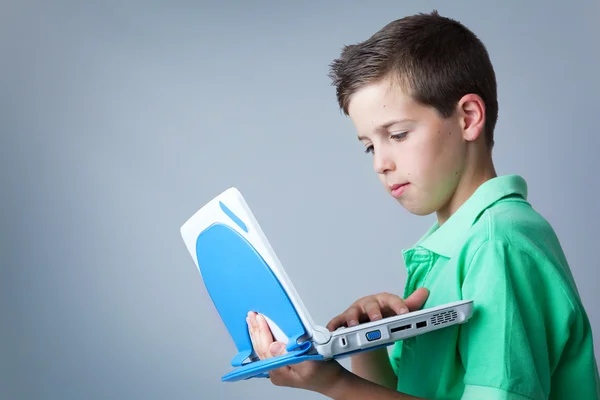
(373, 335)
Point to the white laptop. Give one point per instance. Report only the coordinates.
(242, 273)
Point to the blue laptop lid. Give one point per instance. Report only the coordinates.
(239, 280)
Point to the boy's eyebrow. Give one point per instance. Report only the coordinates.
(386, 125)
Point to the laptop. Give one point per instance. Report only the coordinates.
(242, 273)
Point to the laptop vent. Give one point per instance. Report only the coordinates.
(444, 317)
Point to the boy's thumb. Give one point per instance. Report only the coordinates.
(416, 300)
(277, 348)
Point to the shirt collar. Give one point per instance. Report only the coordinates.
(445, 239)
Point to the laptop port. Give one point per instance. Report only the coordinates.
(373, 335)
(400, 328)
(421, 324)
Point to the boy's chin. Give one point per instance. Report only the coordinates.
(415, 209)
(421, 213)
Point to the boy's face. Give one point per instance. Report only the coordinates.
(411, 146)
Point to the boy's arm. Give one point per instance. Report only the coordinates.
(523, 319)
(326, 377)
(375, 366)
(353, 387)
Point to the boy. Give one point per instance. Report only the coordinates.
(421, 93)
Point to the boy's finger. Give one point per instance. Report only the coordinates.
(395, 303)
(352, 316)
(281, 376)
(250, 319)
(336, 322)
(265, 337)
(387, 312)
(277, 349)
(416, 300)
(373, 309)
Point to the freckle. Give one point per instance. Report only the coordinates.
(449, 133)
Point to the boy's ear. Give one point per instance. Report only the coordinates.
(471, 111)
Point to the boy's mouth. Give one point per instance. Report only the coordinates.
(398, 189)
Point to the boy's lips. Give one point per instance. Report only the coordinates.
(397, 189)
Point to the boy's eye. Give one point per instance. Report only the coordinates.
(399, 136)
(396, 136)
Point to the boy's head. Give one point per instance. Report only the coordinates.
(422, 95)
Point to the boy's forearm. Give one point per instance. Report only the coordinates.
(351, 387)
(375, 366)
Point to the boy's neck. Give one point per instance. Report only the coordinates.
(473, 177)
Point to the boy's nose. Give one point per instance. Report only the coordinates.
(383, 164)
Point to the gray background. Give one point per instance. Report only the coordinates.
(120, 119)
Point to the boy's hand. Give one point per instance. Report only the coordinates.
(318, 376)
(327, 377)
(376, 307)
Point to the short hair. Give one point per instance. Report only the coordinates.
(436, 60)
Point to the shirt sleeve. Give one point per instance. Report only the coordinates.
(519, 315)
(473, 392)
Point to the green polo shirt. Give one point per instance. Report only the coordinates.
(529, 337)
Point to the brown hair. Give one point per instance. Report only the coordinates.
(435, 59)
